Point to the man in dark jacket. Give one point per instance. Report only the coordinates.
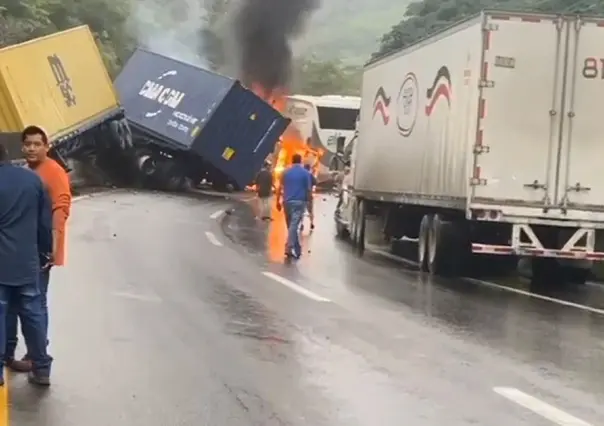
(264, 190)
(25, 248)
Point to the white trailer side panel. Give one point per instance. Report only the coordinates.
(580, 185)
(418, 122)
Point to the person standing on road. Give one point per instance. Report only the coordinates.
(294, 192)
(25, 248)
(310, 205)
(264, 190)
(56, 181)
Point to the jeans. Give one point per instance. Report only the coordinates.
(26, 301)
(294, 211)
(12, 318)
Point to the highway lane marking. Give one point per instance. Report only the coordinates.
(136, 296)
(212, 238)
(295, 287)
(539, 407)
(4, 417)
(216, 214)
(537, 296)
(499, 286)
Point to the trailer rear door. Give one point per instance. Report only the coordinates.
(580, 184)
(519, 121)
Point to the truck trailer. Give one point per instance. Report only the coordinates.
(483, 141)
(190, 124)
(60, 83)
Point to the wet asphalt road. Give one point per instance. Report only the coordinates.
(168, 316)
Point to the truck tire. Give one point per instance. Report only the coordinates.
(447, 252)
(361, 222)
(575, 275)
(354, 237)
(341, 231)
(424, 242)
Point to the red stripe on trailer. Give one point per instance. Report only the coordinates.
(600, 24)
(479, 137)
(485, 70)
(530, 19)
(501, 17)
(487, 40)
(477, 172)
(482, 108)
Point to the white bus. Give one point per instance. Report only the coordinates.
(322, 121)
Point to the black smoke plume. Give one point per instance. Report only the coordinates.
(264, 31)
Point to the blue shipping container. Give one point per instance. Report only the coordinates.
(194, 109)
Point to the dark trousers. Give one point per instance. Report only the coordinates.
(12, 338)
(26, 302)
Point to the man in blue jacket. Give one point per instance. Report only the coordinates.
(25, 248)
(294, 193)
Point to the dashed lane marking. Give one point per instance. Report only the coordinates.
(212, 238)
(295, 287)
(137, 296)
(549, 412)
(216, 214)
(499, 286)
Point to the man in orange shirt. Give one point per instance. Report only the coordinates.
(55, 179)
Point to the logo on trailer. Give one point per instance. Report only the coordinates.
(441, 89)
(158, 90)
(381, 102)
(62, 79)
(407, 105)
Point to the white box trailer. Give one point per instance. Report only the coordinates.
(489, 133)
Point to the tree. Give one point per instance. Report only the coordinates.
(316, 77)
(428, 16)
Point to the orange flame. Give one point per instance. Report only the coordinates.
(291, 142)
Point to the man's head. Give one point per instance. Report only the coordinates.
(34, 144)
(296, 159)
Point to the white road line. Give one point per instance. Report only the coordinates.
(135, 296)
(216, 214)
(295, 287)
(499, 286)
(537, 406)
(212, 238)
(537, 296)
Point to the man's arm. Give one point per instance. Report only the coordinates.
(60, 193)
(45, 234)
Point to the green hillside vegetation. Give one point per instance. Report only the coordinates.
(425, 17)
(350, 30)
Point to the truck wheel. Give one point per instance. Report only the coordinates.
(361, 222)
(423, 242)
(446, 251)
(341, 231)
(354, 237)
(575, 275)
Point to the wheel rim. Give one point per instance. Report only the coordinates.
(422, 244)
(432, 244)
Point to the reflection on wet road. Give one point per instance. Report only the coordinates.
(154, 323)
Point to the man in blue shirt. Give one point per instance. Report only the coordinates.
(25, 248)
(294, 193)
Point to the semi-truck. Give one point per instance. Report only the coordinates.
(60, 83)
(192, 125)
(483, 142)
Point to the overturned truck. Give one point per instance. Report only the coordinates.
(59, 82)
(191, 125)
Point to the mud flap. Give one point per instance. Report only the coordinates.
(449, 250)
